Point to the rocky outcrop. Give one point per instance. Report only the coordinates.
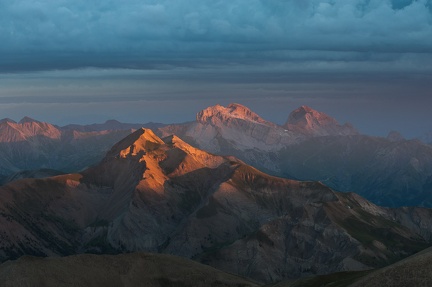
(231, 130)
(308, 121)
(218, 114)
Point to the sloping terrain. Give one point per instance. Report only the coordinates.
(32, 145)
(313, 146)
(126, 270)
(156, 195)
(415, 270)
(236, 130)
(38, 173)
(389, 173)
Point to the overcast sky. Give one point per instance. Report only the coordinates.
(368, 62)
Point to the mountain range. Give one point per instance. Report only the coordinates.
(163, 195)
(31, 145)
(311, 145)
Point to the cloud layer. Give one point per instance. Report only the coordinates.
(154, 34)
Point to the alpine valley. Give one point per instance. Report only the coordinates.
(223, 191)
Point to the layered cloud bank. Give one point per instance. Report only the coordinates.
(365, 61)
(153, 34)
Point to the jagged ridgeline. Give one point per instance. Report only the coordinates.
(31, 148)
(311, 145)
(164, 195)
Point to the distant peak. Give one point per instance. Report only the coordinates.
(112, 122)
(27, 120)
(395, 136)
(305, 115)
(312, 122)
(171, 139)
(306, 109)
(142, 140)
(242, 111)
(7, 120)
(235, 106)
(233, 110)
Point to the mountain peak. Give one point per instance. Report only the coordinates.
(395, 136)
(140, 141)
(306, 116)
(310, 121)
(27, 120)
(307, 109)
(234, 110)
(112, 122)
(7, 120)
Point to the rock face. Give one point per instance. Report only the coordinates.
(34, 145)
(163, 195)
(126, 270)
(235, 127)
(27, 128)
(236, 130)
(314, 146)
(308, 121)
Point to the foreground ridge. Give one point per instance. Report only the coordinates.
(164, 195)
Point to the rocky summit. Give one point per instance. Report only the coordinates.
(310, 122)
(165, 196)
(311, 145)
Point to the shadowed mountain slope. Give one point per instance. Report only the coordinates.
(163, 195)
(415, 270)
(126, 270)
(389, 173)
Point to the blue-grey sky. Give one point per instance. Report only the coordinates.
(368, 62)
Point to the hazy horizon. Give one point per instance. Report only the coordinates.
(364, 62)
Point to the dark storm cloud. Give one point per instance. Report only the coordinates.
(40, 35)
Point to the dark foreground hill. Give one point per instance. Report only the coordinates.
(415, 270)
(126, 270)
(158, 270)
